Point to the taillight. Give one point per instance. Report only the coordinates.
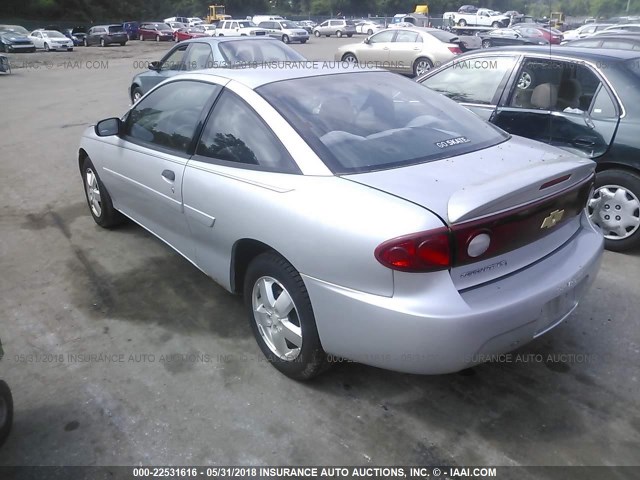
(418, 252)
(455, 50)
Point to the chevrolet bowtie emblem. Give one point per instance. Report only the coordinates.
(553, 219)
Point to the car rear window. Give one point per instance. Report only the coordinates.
(116, 29)
(443, 36)
(366, 121)
(246, 52)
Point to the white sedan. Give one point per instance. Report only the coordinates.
(51, 40)
(368, 28)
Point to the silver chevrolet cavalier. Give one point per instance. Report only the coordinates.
(361, 215)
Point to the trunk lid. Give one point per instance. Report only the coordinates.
(526, 196)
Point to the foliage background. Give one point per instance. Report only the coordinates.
(112, 10)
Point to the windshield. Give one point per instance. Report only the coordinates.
(288, 25)
(53, 34)
(634, 66)
(14, 29)
(366, 121)
(162, 26)
(246, 24)
(243, 53)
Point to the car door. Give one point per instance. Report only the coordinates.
(236, 156)
(323, 28)
(145, 165)
(171, 64)
(562, 103)
(404, 49)
(475, 82)
(376, 47)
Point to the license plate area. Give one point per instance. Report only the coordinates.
(559, 308)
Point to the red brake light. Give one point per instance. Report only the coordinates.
(419, 252)
(455, 50)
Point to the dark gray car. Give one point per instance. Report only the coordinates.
(202, 53)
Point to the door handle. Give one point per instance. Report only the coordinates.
(169, 175)
(584, 142)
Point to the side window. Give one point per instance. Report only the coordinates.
(619, 44)
(587, 43)
(168, 116)
(173, 61)
(478, 80)
(199, 57)
(603, 106)
(234, 25)
(382, 37)
(406, 37)
(325, 23)
(235, 133)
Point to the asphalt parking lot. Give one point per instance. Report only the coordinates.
(120, 352)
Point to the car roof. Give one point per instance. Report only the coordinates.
(216, 40)
(567, 51)
(248, 77)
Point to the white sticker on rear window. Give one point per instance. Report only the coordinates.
(452, 141)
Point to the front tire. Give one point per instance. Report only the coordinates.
(369, 32)
(350, 58)
(98, 199)
(6, 411)
(495, 25)
(615, 208)
(281, 317)
(462, 22)
(486, 44)
(136, 94)
(46, 47)
(157, 38)
(285, 39)
(339, 34)
(85, 43)
(316, 33)
(103, 43)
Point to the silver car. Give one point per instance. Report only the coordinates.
(335, 26)
(411, 51)
(360, 215)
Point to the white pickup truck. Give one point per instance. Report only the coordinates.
(482, 18)
(238, 28)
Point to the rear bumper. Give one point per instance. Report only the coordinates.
(429, 327)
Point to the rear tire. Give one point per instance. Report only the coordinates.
(421, 66)
(617, 196)
(157, 38)
(462, 22)
(122, 44)
(270, 278)
(495, 25)
(85, 43)
(103, 43)
(370, 32)
(98, 198)
(6, 411)
(46, 47)
(316, 33)
(486, 44)
(339, 34)
(303, 41)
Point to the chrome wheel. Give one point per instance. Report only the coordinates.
(422, 66)
(525, 80)
(136, 96)
(93, 192)
(615, 210)
(276, 317)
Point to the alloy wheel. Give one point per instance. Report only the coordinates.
(93, 192)
(525, 81)
(615, 210)
(277, 318)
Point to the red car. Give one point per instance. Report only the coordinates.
(190, 32)
(551, 35)
(155, 31)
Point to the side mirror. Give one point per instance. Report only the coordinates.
(109, 127)
(155, 66)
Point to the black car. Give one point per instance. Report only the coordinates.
(14, 38)
(619, 42)
(502, 37)
(586, 101)
(104, 35)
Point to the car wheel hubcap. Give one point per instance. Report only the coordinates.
(93, 193)
(277, 319)
(422, 67)
(525, 81)
(136, 97)
(350, 59)
(616, 211)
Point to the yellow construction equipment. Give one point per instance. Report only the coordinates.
(424, 9)
(216, 13)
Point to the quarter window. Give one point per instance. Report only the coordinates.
(168, 116)
(234, 133)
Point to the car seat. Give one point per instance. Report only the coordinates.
(544, 96)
